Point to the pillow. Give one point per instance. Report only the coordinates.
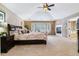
(25, 31)
(22, 32)
(28, 31)
(16, 33)
(19, 32)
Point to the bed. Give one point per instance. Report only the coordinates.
(31, 36)
(26, 38)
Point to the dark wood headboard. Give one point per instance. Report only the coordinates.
(12, 28)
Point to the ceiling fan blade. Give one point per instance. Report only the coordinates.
(49, 9)
(40, 7)
(51, 5)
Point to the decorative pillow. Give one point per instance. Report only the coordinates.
(22, 32)
(25, 31)
(19, 32)
(16, 33)
(28, 31)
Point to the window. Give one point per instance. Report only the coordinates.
(2, 16)
(41, 27)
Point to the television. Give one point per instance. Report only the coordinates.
(58, 29)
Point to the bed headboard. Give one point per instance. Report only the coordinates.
(12, 28)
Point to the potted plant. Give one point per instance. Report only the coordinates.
(26, 26)
(3, 34)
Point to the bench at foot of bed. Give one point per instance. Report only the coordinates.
(24, 42)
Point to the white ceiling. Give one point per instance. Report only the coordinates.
(60, 10)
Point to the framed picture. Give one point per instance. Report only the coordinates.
(2, 17)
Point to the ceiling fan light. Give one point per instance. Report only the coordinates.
(45, 9)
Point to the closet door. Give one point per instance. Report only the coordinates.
(72, 30)
(78, 33)
(78, 24)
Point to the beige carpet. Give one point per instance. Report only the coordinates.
(56, 46)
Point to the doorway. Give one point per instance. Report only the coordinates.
(72, 29)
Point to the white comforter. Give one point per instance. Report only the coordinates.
(31, 36)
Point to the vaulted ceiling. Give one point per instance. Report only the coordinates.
(59, 11)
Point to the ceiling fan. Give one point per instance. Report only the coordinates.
(47, 7)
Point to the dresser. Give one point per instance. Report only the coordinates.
(6, 43)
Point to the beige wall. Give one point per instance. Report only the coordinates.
(10, 17)
(59, 22)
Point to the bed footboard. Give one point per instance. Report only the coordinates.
(23, 42)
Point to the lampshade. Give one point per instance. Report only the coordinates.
(3, 24)
(3, 27)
